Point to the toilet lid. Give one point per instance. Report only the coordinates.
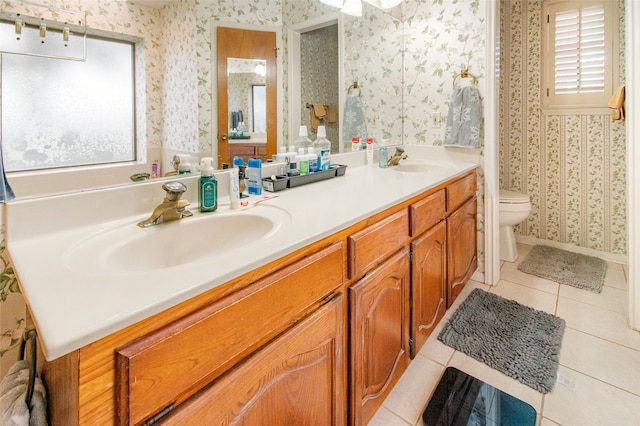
(513, 197)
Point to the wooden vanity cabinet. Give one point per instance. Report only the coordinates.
(318, 337)
(248, 150)
(298, 379)
(158, 371)
(379, 327)
(428, 284)
(462, 244)
(378, 312)
(444, 253)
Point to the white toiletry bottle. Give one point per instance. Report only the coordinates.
(281, 156)
(322, 148)
(369, 151)
(313, 160)
(234, 187)
(292, 165)
(254, 176)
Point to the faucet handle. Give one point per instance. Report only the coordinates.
(174, 190)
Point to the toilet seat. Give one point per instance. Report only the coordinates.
(513, 197)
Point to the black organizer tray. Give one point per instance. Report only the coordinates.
(283, 182)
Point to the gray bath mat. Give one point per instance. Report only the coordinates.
(517, 340)
(565, 267)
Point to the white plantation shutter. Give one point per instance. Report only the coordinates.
(579, 54)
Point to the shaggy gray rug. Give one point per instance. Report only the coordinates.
(565, 267)
(517, 340)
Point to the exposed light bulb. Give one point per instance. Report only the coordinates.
(352, 7)
(388, 4)
(333, 3)
(260, 70)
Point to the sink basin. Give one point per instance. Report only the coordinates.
(420, 167)
(130, 248)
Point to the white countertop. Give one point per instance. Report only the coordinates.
(73, 307)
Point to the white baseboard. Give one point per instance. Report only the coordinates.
(610, 257)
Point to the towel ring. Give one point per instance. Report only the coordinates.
(354, 85)
(464, 73)
(29, 335)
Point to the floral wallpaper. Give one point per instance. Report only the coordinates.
(571, 166)
(440, 38)
(373, 53)
(180, 77)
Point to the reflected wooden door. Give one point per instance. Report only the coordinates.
(245, 44)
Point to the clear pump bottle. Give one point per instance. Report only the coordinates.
(303, 140)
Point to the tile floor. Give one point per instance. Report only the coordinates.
(599, 373)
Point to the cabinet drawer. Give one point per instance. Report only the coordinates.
(427, 212)
(261, 150)
(241, 150)
(460, 191)
(298, 379)
(377, 242)
(170, 364)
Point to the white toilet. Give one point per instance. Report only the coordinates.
(514, 208)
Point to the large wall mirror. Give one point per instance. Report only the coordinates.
(177, 74)
(247, 99)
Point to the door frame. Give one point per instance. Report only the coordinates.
(295, 90)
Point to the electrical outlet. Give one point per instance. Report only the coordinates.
(435, 119)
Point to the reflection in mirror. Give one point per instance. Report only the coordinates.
(176, 90)
(247, 98)
(319, 82)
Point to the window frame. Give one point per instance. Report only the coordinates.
(588, 103)
(80, 168)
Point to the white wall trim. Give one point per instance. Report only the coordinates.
(490, 162)
(632, 23)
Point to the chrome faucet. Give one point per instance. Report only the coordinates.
(397, 156)
(171, 208)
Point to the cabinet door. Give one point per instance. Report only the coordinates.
(428, 284)
(462, 247)
(298, 379)
(379, 321)
(168, 365)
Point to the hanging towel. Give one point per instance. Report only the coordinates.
(6, 193)
(13, 389)
(354, 124)
(617, 104)
(317, 113)
(332, 113)
(464, 119)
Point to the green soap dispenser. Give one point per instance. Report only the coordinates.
(208, 187)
